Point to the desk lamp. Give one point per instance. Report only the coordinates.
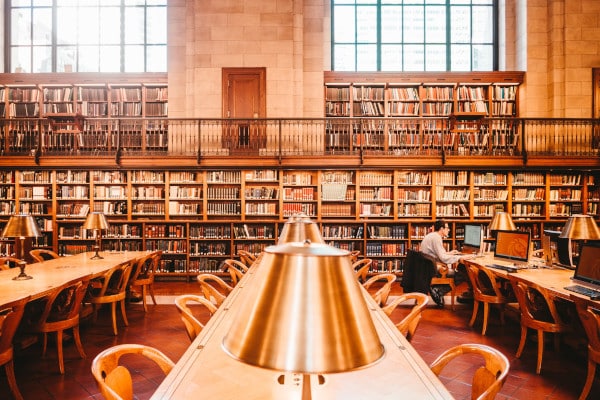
(298, 228)
(502, 221)
(308, 315)
(579, 227)
(21, 226)
(96, 221)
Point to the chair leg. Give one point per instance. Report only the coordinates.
(151, 289)
(522, 341)
(44, 344)
(486, 313)
(59, 351)
(113, 309)
(77, 339)
(12, 380)
(123, 312)
(538, 368)
(144, 298)
(589, 380)
(474, 316)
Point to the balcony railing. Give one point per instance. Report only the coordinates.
(390, 137)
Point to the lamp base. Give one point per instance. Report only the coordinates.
(97, 256)
(22, 275)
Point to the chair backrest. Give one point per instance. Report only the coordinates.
(486, 287)
(114, 281)
(41, 255)
(361, 268)
(489, 378)
(64, 303)
(537, 306)
(9, 262)
(418, 271)
(236, 269)
(382, 294)
(145, 267)
(192, 324)
(354, 255)
(246, 257)
(114, 380)
(10, 317)
(214, 288)
(408, 325)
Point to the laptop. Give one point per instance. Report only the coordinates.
(586, 279)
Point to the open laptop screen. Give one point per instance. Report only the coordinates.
(588, 267)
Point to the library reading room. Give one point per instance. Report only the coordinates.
(423, 175)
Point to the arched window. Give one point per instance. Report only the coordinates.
(414, 35)
(87, 36)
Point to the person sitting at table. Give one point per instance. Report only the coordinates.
(432, 246)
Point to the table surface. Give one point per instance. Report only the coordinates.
(51, 274)
(205, 371)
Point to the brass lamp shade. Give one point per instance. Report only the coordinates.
(307, 315)
(298, 228)
(581, 227)
(502, 221)
(21, 225)
(95, 220)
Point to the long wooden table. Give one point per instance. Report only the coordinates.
(205, 371)
(51, 274)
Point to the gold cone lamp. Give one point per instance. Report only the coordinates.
(307, 316)
(579, 227)
(21, 226)
(96, 221)
(502, 221)
(299, 228)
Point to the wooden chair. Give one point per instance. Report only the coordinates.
(246, 257)
(539, 312)
(236, 269)
(361, 268)
(408, 325)
(61, 312)
(10, 317)
(143, 275)
(113, 379)
(444, 279)
(214, 288)
(192, 325)
(41, 255)
(590, 318)
(9, 262)
(486, 290)
(111, 289)
(382, 294)
(489, 378)
(354, 255)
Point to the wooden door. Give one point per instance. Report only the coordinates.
(244, 103)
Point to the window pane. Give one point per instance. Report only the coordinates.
(436, 25)
(89, 29)
(483, 31)
(366, 24)
(343, 24)
(20, 59)
(134, 25)
(110, 58)
(414, 58)
(391, 25)
(21, 27)
(483, 57)
(461, 57)
(391, 58)
(461, 25)
(134, 58)
(110, 27)
(344, 58)
(413, 24)
(156, 2)
(42, 59)
(42, 26)
(66, 29)
(88, 59)
(66, 55)
(19, 3)
(435, 56)
(366, 57)
(156, 58)
(156, 26)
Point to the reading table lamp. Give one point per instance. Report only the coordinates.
(96, 221)
(307, 316)
(579, 227)
(298, 228)
(21, 226)
(502, 221)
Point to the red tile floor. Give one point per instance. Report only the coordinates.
(562, 377)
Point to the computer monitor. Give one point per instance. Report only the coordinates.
(513, 246)
(473, 238)
(588, 267)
